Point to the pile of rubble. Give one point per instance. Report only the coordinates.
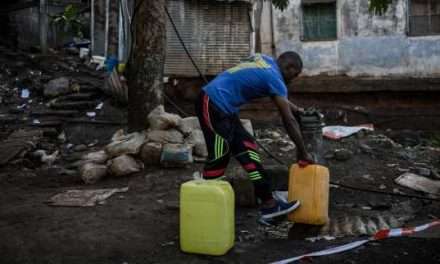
(170, 142)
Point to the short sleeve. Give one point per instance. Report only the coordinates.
(277, 87)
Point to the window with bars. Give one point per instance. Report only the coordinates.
(319, 21)
(424, 17)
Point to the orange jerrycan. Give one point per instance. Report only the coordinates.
(310, 186)
(207, 217)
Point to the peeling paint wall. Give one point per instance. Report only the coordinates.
(367, 45)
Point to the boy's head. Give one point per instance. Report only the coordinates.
(290, 64)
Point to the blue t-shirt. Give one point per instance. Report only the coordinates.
(256, 77)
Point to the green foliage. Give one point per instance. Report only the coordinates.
(280, 4)
(69, 20)
(377, 7)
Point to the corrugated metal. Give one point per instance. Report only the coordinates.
(216, 34)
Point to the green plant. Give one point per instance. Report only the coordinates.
(377, 7)
(70, 21)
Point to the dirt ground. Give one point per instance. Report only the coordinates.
(142, 225)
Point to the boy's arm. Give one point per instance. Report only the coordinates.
(292, 127)
(295, 109)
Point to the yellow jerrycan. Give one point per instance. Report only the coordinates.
(207, 217)
(310, 186)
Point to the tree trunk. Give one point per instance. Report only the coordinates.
(145, 68)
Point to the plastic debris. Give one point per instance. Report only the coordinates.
(337, 132)
(84, 198)
(25, 93)
(99, 106)
(91, 114)
(380, 235)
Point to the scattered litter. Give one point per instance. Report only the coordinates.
(288, 148)
(418, 183)
(382, 187)
(99, 106)
(83, 198)
(380, 235)
(25, 93)
(337, 132)
(21, 106)
(368, 208)
(166, 244)
(317, 238)
(69, 146)
(36, 121)
(91, 114)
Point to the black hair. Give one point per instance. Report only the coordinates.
(291, 57)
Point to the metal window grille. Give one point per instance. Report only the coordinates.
(424, 17)
(319, 21)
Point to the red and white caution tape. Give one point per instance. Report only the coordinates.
(380, 235)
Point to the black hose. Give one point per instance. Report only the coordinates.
(267, 151)
(184, 47)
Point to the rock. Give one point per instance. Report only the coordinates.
(99, 157)
(150, 153)
(80, 148)
(343, 154)
(274, 135)
(418, 183)
(382, 141)
(161, 120)
(124, 165)
(197, 139)
(176, 155)
(57, 87)
(188, 124)
(92, 173)
(365, 148)
(127, 144)
(165, 136)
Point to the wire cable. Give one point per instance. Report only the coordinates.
(184, 47)
(266, 150)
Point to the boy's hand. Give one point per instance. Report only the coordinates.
(305, 159)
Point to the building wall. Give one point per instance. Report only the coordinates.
(367, 45)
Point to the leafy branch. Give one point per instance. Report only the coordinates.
(70, 20)
(377, 7)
